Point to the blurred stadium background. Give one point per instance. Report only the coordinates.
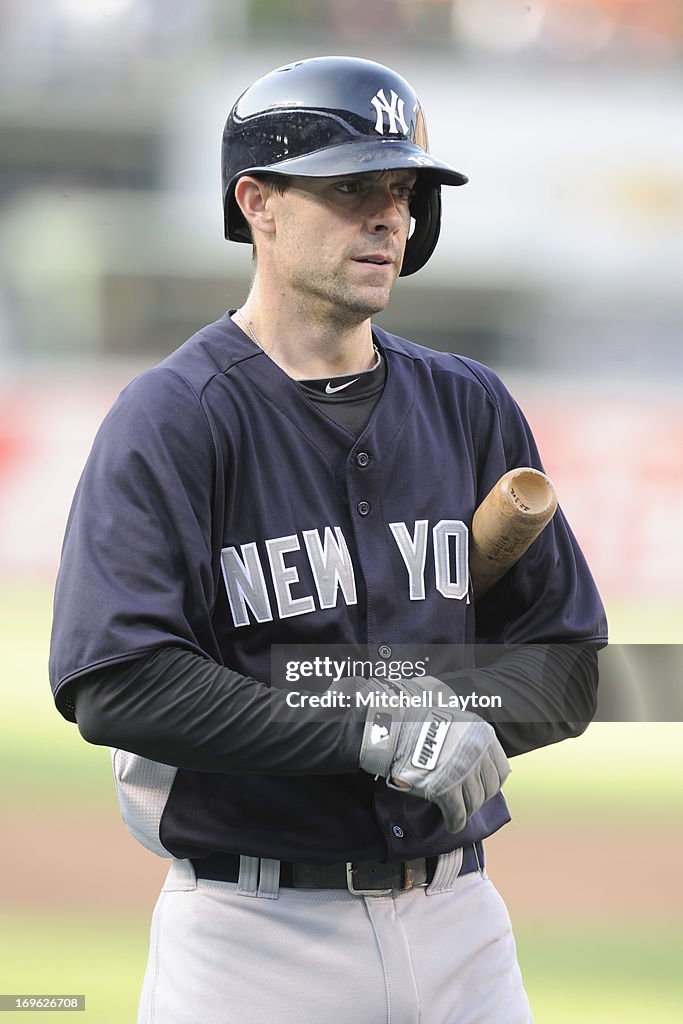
(559, 265)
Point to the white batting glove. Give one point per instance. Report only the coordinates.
(450, 757)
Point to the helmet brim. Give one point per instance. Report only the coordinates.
(360, 157)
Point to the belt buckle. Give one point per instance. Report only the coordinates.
(362, 892)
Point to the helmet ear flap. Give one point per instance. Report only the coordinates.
(235, 226)
(425, 210)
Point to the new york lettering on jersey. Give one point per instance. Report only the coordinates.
(328, 562)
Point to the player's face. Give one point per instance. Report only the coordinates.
(339, 242)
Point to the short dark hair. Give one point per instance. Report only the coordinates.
(277, 182)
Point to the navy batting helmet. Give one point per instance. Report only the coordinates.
(335, 115)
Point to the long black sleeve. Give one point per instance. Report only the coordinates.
(177, 708)
(548, 692)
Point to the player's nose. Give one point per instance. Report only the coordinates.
(385, 212)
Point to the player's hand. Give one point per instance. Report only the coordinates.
(450, 757)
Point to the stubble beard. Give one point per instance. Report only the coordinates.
(330, 298)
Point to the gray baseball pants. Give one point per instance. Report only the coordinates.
(237, 953)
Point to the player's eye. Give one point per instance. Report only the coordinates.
(403, 192)
(349, 187)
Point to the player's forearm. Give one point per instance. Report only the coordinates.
(548, 693)
(176, 708)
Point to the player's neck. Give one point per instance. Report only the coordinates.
(305, 346)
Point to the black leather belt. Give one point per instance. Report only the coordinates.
(359, 877)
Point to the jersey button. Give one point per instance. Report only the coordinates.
(398, 831)
(362, 459)
(363, 508)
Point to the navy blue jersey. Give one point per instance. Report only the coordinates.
(222, 511)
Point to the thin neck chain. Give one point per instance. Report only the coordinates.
(249, 330)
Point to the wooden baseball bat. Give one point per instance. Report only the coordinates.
(509, 519)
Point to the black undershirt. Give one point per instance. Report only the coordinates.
(352, 397)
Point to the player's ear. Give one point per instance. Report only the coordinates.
(252, 195)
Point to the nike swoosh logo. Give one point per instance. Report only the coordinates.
(329, 390)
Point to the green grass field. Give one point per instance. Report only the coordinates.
(100, 957)
(602, 975)
(596, 973)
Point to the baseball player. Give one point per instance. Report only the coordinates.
(294, 477)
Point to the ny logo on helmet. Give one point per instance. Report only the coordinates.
(393, 110)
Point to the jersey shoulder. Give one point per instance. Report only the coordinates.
(181, 379)
(213, 351)
(167, 399)
(463, 369)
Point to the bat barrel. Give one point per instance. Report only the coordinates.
(529, 494)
